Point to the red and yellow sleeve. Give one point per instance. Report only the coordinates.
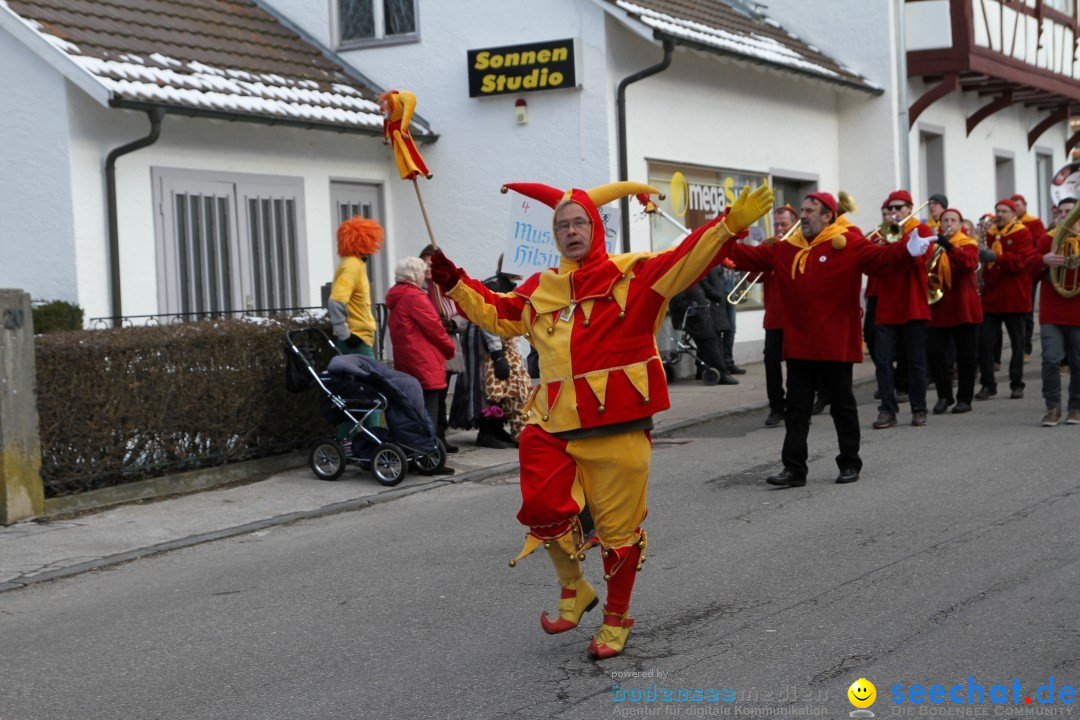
(499, 313)
(675, 269)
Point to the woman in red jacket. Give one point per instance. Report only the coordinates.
(421, 344)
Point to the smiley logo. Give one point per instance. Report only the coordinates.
(862, 693)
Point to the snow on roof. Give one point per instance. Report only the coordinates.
(224, 56)
(713, 25)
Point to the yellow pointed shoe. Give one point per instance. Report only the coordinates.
(611, 639)
(574, 602)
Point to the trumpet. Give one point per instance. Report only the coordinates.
(891, 232)
(739, 293)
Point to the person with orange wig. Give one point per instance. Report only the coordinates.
(350, 296)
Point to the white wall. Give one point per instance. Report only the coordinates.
(969, 160)
(36, 213)
(480, 147)
(210, 145)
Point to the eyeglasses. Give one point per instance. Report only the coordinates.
(576, 223)
(895, 207)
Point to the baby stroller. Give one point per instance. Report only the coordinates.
(355, 388)
(682, 343)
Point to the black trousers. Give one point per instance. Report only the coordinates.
(939, 342)
(991, 328)
(869, 332)
(913, 335)
(835, 377)
(431, 405)
(774, 372)
(709, 353)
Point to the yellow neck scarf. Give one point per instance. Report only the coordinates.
(944, 271)
(834, 233)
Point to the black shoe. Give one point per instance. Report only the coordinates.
(885, 419)
(819, 406)
(735, 370)
(901, 396)
(786, 477)
(962, 407)
(450, 447)
(1016, 394)
(985, 392)
(918, 418)
(942, 405)
(847, 475)
(490, 441)
(775, 418)
(443, 471)
(877, 394)
(727, 380)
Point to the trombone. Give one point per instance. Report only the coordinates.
(891, 232)
(739, 293)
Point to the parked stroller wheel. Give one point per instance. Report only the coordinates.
(430, 463)
(327, 460)
(389, 464)
(710, 376)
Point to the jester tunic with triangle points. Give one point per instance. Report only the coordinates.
(594, 325)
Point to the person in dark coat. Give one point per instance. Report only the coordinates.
(693, 305)
(421, 344)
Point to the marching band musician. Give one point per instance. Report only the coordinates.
(818, 274)
(1006, 296)
(956, 316)
(1059, 323)
(783, 219)
(1035, 225)
(903, 312)
(936, 205)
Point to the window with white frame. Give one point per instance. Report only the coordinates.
(229, 242)
(365, 22)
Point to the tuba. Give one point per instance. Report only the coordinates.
(1066, 277)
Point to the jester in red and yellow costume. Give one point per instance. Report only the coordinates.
(593, 321)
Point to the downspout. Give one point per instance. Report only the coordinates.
(156, 115)
(620, 104)
(902, 96)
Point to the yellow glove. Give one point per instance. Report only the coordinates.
(748, 207)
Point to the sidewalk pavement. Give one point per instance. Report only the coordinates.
(46, 549)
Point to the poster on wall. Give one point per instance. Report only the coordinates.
(1066, 183)
(530, 238)
(696, 195)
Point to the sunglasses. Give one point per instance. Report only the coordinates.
(895, 207)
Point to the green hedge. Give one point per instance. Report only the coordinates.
(56, 316)
(126, 404)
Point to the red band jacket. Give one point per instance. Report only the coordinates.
(902, 292)
(821, 308)
(1053, 309)
(1007, 279)
(960, 303)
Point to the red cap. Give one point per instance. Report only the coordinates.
(793, 211)
(825, 199)
(1019, 197)
(954, 210)
(902, 195)
(1007, 203)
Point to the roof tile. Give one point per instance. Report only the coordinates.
(218, 55)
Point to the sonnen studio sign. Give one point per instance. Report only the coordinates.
(522, 68)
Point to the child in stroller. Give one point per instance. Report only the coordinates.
(695, 335)
(354, 387)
